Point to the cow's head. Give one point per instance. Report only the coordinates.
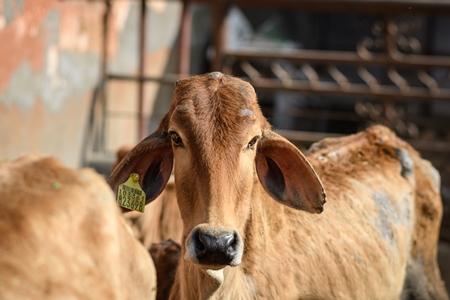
(222, 150)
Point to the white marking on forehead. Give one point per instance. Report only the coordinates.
(217, 74)
(246, 112)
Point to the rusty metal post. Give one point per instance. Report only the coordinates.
(185, 40)
(142, 127)
(219, 27)
(103, 105)
(389, 47)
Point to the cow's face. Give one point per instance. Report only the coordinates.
(223, 152)
(215, 128)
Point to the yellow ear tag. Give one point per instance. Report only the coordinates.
(130, 194)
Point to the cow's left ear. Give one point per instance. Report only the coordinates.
(286, 174)
(152, 160)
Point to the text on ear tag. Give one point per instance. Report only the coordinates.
(130, 194)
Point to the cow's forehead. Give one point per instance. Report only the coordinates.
(212, 87)
(223, 107)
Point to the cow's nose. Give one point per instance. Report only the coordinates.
(215, 248)
(207, 242)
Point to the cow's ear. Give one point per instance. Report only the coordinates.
(286, 174)
(152, 160)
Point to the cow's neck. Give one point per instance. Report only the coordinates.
(266, 220)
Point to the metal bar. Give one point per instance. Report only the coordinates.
(311, 137)
(311, 74)
(123, 114)
(368, 78)
(430, 145)
(367, 6)
(306, 136)
(89, 136)
(374, 6)
(142, 122)
(100, 145)
(281, 73)
(250, 70)
(185, 40)
(340, 78)
(307, 113)
(398, 79)
(218, 34)
(388, 116)
(436, 122)
(429, 81)
(199, 1)
(342, 57)
(167, 78)
(386, 102)
(329, 88)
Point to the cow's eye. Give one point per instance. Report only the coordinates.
(176, 139)
(252, 143)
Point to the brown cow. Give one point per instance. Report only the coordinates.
(247, 198)
(63, 236)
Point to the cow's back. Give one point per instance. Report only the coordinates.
(383, 213)
(63, 237)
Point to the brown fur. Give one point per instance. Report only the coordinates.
(375, 148)
(376, 239)
(63, 237)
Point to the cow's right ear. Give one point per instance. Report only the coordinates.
(152, 160)
(286, 174)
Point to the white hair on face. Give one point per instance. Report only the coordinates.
(246, 112)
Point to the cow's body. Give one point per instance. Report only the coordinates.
(394, 194)
(377, 238)
(63, 237)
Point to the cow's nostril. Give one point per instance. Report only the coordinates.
(200, 243)
(228, 240)
(201, 246)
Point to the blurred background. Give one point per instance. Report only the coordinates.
(80, 78)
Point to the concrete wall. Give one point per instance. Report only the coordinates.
(50, 64)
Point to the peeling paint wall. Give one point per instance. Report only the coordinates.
(50, 54)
